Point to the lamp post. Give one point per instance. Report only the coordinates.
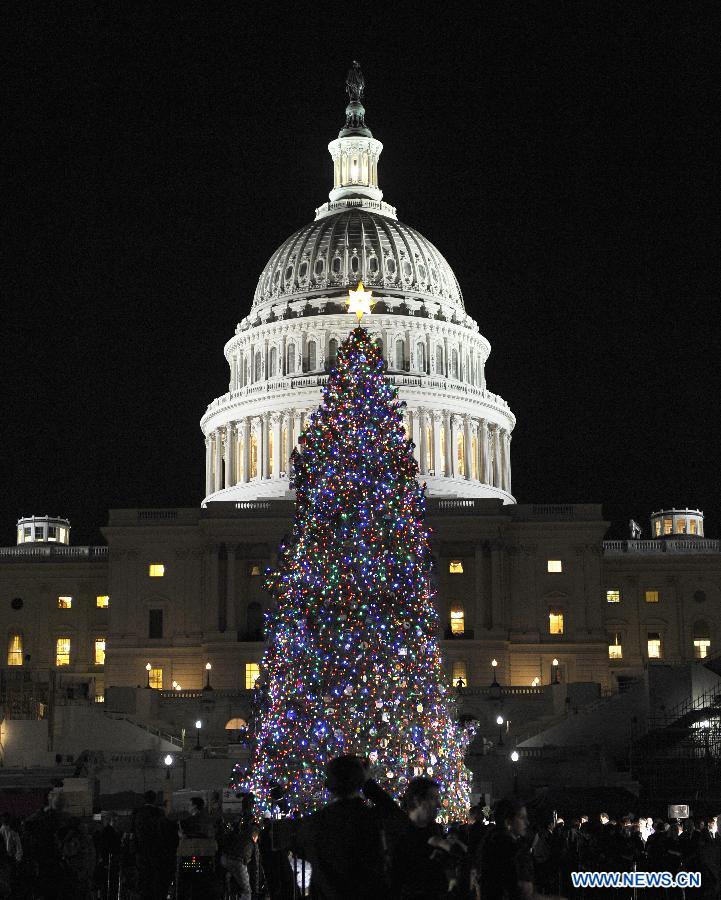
(499, 722)
(555, 670)
(168, 763)
(198, 726)
(494, 666)
(514, 762)
(207, 687)
(148, 667)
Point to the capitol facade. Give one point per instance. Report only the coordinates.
(282, 351)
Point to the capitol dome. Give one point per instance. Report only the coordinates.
(282, 351)
(357, 244)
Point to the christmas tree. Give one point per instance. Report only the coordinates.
(353, 664)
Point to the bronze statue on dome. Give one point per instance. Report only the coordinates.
(354, 82)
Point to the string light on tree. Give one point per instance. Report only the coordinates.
(353, 664)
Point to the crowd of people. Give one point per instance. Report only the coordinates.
(362, 845)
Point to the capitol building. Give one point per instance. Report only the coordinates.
(162, 625)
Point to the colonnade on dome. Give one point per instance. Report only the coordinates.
(257, 448)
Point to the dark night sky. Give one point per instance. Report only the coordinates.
(563, 156)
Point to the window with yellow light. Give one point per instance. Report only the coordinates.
(455, 567)
(102, 601)
(613, 595)
(458, 619)
(554, 565)
(615, 646)
(555, 621)
(460, 673)
(156, 570)
(654, 645)
(252, 673)
(15, 650)
(99, 657)
(155, 678)
(651, 596)
(62, 651)
(65, 602)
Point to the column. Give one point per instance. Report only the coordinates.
(213, 594)
(230, 612)
(414, 435)
(245, 462)
(507, 448)
(448, 462)
(277, 449)
(423, 440)
(208, 465)
(437, 462)
(483, 449)
(228, 455)
(497, 468)
(467, 447)
(217, 436)
(455, 469)
(496, 585)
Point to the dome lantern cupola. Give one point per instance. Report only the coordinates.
(355, 152)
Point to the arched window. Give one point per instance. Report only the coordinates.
(258, 366)
(236, 724)
(332, 352)
(399, 354)
(474, 458)
(439, 360)
(460, 454)
(454, 364)
(254, 621)
(273, 362)
(291, 358)
(701, 639)
(421, 357)
(311, 356)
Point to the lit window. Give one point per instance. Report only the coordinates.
(555, 565)
(254, 570)
(52, 533)
(555, 621)
(65, 602)
(692, 526)
(63, 535)
(252, 673)
(155, 678)
(651, 596)
(700, 648)
(156, 570)
(615, 646)
(680, 526)
(458, 620)
(15, 650)
(668, 526)
(460, 675)
(657, 527)
(455, 567)
(102, 601)
(100, 651)
(100, 698)
(62, 651)
(654, 645)
(613, 596)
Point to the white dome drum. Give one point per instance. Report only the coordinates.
(281, 353)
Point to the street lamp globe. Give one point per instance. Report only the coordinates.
(168, 760)
(514, 756)
(198, 724)
(499, 720)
